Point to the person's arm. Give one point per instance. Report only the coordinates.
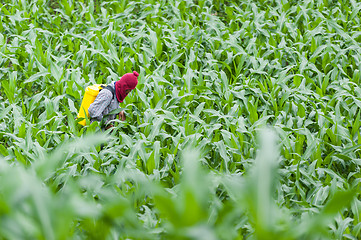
(121, 116)
(100, 103)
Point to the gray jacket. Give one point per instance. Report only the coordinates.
(103, 104)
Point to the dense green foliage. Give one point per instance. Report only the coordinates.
(192, 160)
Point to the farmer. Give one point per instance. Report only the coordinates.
(105, 102)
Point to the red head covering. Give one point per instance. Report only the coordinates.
(128, 81)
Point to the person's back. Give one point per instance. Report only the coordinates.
(106, 102)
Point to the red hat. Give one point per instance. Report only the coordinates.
(128, 81)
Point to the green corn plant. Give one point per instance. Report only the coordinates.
(212, 74)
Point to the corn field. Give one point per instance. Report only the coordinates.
(245, 123)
